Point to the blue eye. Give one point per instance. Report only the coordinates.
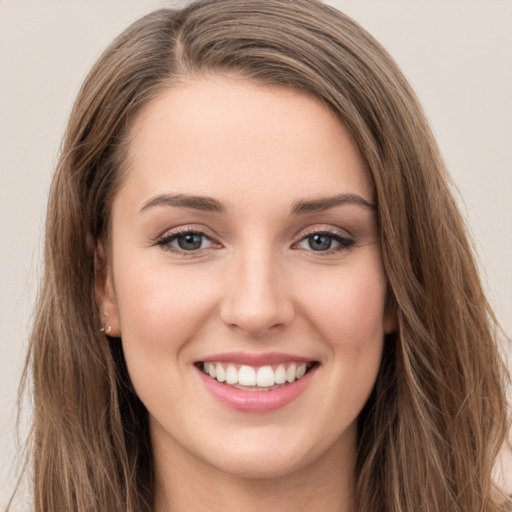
(319, 242)
(185, 241)
(325, 242)
(190, 241)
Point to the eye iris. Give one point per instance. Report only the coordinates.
(190, 241)
(320, 242)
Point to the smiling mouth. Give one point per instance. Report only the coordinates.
(251, 378)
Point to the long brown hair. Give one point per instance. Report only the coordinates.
(431, 431)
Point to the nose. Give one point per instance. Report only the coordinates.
(257, 297)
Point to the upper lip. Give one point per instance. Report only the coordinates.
(262, 359)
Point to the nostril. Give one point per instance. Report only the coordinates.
(257, 321)
(255, 300)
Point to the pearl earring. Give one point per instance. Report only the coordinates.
(107, 328)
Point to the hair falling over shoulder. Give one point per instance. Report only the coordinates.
(431, 432)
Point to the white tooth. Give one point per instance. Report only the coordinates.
(265, 377)
(211, 370)
(221, 374)
(247, 376)
(280, 375)
(231, 374)
(301, 370)
(290, 372)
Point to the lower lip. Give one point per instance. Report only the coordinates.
(256, 401)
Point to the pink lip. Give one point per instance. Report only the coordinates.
(256, 401)
(268, 358)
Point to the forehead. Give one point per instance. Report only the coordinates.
(230, 138)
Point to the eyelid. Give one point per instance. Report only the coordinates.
(169, 235)
(324, 228)
(342, 237)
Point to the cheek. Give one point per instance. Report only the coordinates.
(348, 306)
(162, 311)
(348, 312)
(161, 307)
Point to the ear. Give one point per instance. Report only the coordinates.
(390, 322)
(390, 314)
(105, 292)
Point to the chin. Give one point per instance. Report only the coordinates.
(262, 457)
(260, 467)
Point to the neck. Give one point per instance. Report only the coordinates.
(184, 483)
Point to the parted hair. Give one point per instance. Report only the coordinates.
(437, 417)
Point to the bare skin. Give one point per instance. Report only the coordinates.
(246, 225)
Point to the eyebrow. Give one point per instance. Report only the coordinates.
(203, 203)
(326, 203)
(209, 204)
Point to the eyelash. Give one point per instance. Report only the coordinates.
(165, 241)
(344, 242)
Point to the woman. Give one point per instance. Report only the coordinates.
(258, 289)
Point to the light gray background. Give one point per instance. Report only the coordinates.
(457, 55)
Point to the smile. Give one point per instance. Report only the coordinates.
(250, 378)
(256, 383)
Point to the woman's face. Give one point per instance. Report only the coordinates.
(244, 245)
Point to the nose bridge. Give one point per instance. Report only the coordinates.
(256, 298)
